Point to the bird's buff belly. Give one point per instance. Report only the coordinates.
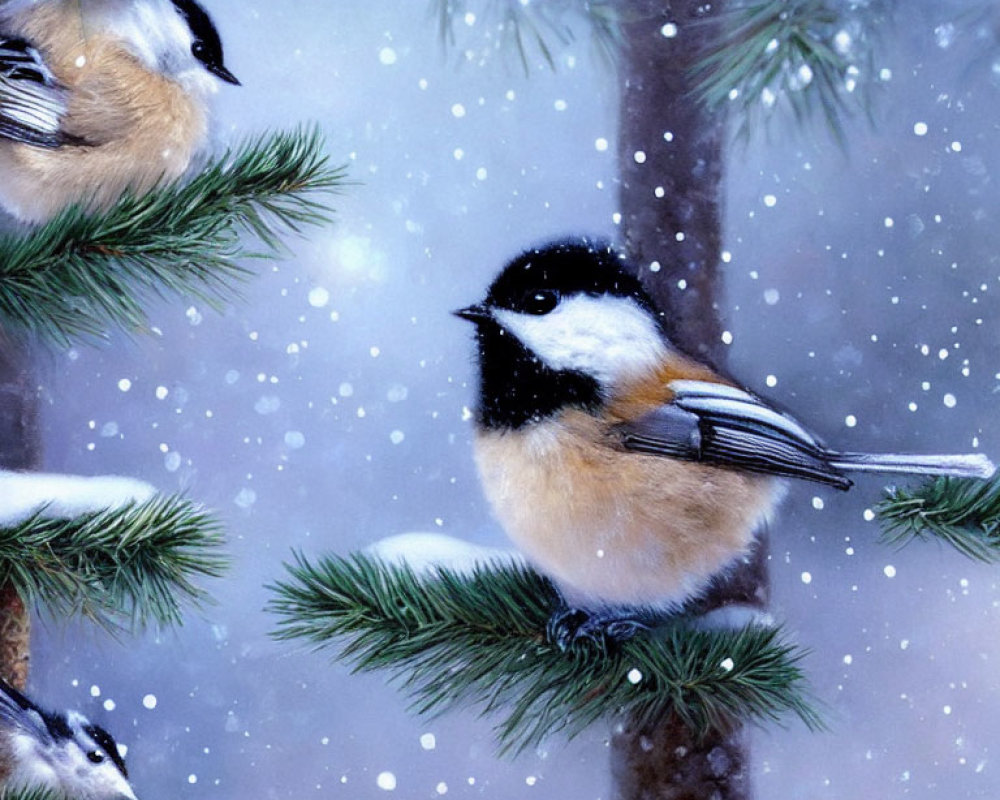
(617, 528)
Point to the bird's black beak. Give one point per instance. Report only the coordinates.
(474, 313)
(222, 73)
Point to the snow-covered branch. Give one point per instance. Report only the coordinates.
(107, 548)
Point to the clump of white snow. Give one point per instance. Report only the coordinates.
(426, 552)
(65, 496)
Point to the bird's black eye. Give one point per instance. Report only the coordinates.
(199, 51)
(540, 301)
(95, 757)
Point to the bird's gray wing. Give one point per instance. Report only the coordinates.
(721, 425)
(17, 712)
(32, 102)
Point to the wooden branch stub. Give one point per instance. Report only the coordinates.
(15, 638)
(20, 449)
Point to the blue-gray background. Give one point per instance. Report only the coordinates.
(325, 409)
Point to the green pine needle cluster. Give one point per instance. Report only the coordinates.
(30, 793)
(452, 639)
(813, 55)
(964, 513)
(530, 28)
(123, 568)
(80, 274)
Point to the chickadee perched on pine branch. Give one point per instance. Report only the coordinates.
(626, 470)
(60, 751)
(101, 96)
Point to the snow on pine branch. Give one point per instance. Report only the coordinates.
(425, 553)
(107, 548)
(63, 496)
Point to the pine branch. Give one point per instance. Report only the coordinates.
(122, 568)
(527, 28)
(29, 793)
(79, 275)
(480, 638)
(963, 513)
(814, 55)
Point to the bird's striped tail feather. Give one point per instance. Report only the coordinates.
(974, 465)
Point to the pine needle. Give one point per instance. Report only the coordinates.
(527, 29)
(30, 793)
(813, 55)
(123, 568)
(456, 639)
(79, 275)
(961, 512)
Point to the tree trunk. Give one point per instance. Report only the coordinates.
(19, 449)
(668, 763)
(671, 166)
(670, 159)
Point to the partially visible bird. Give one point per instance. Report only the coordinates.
(60, 751)
(101, 96)
(625, 469)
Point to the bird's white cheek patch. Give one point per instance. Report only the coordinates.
(606, 337)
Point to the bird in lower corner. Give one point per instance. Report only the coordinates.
(60, 751)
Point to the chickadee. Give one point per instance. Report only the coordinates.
(101, 96)
(60, 751)
(629, 472)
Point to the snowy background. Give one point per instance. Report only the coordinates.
(327, 408)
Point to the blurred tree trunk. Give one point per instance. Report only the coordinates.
(671, 154)
(667, 763)
(671, 167)
(19, 449)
